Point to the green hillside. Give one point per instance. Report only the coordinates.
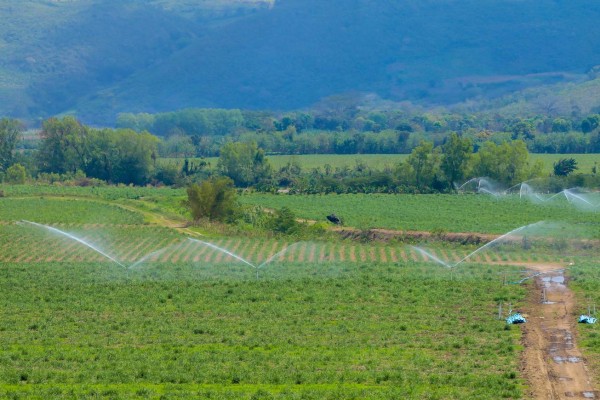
(98, 58)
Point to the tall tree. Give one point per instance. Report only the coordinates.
(508, 163)
(64, 145)
(10, 131)
(245, 163)
(121, 156)
(421, 166)
(457, 153)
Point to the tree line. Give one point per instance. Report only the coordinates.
(69, 149)
(427, 169)
(353, 130)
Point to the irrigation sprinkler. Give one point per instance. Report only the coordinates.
(239, 258)
(544, 298)
(75, 238)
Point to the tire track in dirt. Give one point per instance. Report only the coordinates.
(552, 363)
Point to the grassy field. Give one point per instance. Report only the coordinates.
(585, 280)
(380, 161)
(585, 162)
(323, 321)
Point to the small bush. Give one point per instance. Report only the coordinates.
(16, 174)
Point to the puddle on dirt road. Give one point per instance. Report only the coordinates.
(554, 279)
(570, 359)
(562, 361)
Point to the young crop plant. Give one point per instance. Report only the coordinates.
(370, 331)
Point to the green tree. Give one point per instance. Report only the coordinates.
(565, 166)
(284, 221)
(16, 174)
(177, 146)
(214, 199)
(421, 166)
(507, 163)
(64, 146)
(522, 129)
(121, 155)
(135, 164)
(561, 125)
(590, 123)
(456, 156)
(10, 132)
(245, 163)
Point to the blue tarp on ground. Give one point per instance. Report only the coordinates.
(587, 319)
(515, 318)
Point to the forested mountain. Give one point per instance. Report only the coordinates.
(96, 58)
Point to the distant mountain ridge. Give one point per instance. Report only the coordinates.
(98, 58)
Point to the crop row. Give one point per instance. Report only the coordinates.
(65, 211)
(378, 332)
(102, 192)
(444, 213)
(131, 244)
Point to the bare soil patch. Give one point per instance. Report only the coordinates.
(552, 363)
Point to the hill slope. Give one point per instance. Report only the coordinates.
(108, 57)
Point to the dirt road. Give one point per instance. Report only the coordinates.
(553, 364)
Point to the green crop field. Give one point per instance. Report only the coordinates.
(158, 247)
(322, 321)
(375, 332)
(65, 211)
(149, 312)
(102, 193)
(448, 213)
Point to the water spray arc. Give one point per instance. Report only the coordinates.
(213, 246)
(73, 237)
(485, 246)
(148, 256)
(256, 267)
(489, 244)
(434, 258)
(527, 192)
(279, 253)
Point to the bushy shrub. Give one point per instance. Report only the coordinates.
(16, 174)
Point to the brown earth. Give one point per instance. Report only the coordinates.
(385, 235)
(552, 363)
